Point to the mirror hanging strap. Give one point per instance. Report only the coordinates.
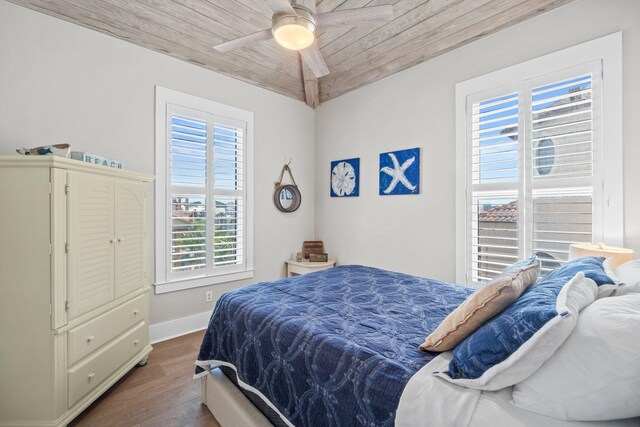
(288, 169)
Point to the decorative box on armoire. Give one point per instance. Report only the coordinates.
(73, 285)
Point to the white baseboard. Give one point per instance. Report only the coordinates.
(177, 327)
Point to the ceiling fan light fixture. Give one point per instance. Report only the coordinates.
(294, 32)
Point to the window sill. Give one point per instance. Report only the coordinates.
(179, 285)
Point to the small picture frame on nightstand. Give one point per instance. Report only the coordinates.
(318, 257)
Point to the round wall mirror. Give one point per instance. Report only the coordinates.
(287, 198)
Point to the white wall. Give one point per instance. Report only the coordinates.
(60, 83)
(415, 108)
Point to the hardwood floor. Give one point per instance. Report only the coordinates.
(162, 393)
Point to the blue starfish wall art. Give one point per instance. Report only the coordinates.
(400, 172)
(345, 178)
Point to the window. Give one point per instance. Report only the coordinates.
(203, 194)
(541, 162)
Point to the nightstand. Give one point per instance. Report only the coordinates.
(295, 268)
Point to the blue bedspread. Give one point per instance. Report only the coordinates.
(331, 348)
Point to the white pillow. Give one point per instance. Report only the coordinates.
(595, 374)
(629, 274)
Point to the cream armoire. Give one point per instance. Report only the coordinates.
(73, 285)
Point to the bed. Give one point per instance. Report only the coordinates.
(340, 348)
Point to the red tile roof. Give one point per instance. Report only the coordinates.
(501, 213)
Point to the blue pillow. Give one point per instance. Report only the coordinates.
(591, 266)
(521, 264)
(503, 335)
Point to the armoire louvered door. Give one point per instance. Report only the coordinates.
(91, 241)
(106, 242)
(130, 246)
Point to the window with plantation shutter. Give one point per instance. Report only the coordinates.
(533, 176)
(205, 194)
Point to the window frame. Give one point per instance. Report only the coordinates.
(165, 280)
(608, 175)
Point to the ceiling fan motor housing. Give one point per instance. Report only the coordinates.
(302, 20)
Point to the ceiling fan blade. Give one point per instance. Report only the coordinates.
(354, 17)
(281, 6)
(313, 58)
(242, 41)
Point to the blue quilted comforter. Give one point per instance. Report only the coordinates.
(331, 348)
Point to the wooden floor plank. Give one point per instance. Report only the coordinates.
(122, 395)
(163, 393)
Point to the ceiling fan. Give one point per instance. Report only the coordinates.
(295, 27)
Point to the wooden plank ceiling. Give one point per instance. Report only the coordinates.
(187, 30)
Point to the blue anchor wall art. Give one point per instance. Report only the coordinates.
(400, 172)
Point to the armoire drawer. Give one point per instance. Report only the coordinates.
(89, 374)
(95, 333)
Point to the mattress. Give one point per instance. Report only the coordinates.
(331, 348)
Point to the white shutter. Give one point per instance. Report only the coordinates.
(188, 184)
(228, 155)
(495, 152)
(560, 219)
(207, 194)
(494, 231)
(494, 131)
(562, 165)
(562, 129)
(531, 161)
(188, 232)
(188, 151)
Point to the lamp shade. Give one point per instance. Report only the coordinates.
(618, 255)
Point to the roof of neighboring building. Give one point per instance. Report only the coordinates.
(501, 213)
